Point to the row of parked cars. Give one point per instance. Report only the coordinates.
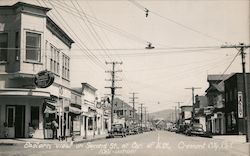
(121, 130)
(191, 130)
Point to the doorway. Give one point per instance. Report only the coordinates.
(16, 121)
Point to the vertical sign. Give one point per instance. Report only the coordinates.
(240, 105)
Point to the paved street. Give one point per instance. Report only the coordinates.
(149, 143)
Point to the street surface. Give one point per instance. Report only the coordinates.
(154, 143)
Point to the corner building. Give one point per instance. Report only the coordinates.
(31, 42)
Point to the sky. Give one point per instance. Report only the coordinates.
(186, 34)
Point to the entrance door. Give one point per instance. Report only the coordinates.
(19, 121)
(11, 121)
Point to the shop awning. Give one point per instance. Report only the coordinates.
(52, 105)
(49, 110)
(75, 110)
(23, 92)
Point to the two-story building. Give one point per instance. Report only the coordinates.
(92, 119)
(31, 42)
(215, 95)
(234, 105)
(186, 114)
(200, 117)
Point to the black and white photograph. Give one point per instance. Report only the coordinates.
(124, 77)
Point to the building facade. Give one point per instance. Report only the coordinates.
(186, 114)
(200, 117)
(32, 42)
(216, 103)
(92, 119)
(234, 106)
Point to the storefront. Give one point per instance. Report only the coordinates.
(21, 112)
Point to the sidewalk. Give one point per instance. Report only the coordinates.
(78, 139)
(239, 145)
(231, 138)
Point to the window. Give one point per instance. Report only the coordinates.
(65, 67)
(54, 59)
(33, 46)
(3, 46)
(17, 51)
(34, 116)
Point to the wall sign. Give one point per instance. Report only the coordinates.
(240, 105)
(44, 79)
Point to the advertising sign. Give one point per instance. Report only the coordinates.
(240, 105)
(44, 79)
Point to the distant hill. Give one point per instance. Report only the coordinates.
(164, 114)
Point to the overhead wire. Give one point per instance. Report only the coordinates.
(92, 57)
(100, 23)
(140, 6)
(92, 29)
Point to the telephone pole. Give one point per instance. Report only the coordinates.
(133, 101)
(141, 115)
(242, 47)
(113, 87)
(193, 88)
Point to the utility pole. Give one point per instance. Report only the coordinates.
(141, 116)
(193, 88)
(175, 114)
(133, 102)
(242, 47)
(113, 87)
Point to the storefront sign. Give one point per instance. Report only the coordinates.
(44, 79)
(98, 105)
(240, 105)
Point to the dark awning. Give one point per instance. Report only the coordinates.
(49, 110)
(74, 110)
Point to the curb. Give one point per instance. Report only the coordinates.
(74, 142)
(90, 140)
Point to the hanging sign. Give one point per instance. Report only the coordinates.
(44, 79)
(240, 105)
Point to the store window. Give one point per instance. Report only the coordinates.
(34, 110)
(33, 47)
(3, 46)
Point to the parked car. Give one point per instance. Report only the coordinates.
(182, 128)
(173, 129)
(194, 130)
(117, 130)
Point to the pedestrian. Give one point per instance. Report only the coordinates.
(5, 130)
(54, 127)
(31, 130)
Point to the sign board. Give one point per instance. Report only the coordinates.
(44, 79)
(240, 105)
(208, 110)
(98, 105)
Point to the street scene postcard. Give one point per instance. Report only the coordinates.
(124, 77)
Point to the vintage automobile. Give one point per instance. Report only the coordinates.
(195, 130)
(117, 130)
(182, 128)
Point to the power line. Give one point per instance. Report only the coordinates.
(100, 23)
(173, 21)
(88, 53)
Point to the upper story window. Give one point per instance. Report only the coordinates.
(33, 46)
(65, 66)
(54, 59)
(3, 46)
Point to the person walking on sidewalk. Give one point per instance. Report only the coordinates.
(54, 127)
